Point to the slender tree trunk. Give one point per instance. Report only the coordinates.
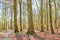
(47, 13)
(55, 14)
(11, 18)
(3, 17)
(50, 14)
(4, 11)
(42, 29)
(20, 15)
(58, 16)
(30, 18)
(6, 18)
(15, 16)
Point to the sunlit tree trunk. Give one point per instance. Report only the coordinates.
(30, 17)
(20, 15)
(50, 15)
(15, 16)
(42, 29)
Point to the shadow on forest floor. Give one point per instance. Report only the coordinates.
(19, 37)
(29, 37)
(37, 37)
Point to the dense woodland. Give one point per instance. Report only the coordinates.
(30, 17)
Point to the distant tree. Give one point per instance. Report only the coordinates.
(4, 19)
(4, 13)
(11, 17)
(47, 13)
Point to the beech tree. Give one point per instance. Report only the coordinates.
(15, 16)
(30, 17)
(41, 11)
(50, 15)
(55, 14)
(20, 15)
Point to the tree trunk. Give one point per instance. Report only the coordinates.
(11, 18)
(30, 18)
(55, 14)
(50, 14)
(15, 16)
(20, 15)
(42, 29)
(47, 13)
(4, 11)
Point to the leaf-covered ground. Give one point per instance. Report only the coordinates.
(38, 36)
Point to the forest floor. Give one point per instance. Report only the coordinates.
(10, 35)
